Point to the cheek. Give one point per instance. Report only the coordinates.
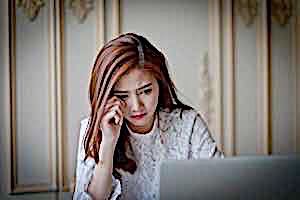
(152, 102)
(126, 112)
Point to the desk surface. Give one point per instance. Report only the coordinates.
(34, 196)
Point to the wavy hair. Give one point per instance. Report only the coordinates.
(114, 60)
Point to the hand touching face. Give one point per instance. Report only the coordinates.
(112, 119)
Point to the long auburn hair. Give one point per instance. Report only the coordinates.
(114, 60)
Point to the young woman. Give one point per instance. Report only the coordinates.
(136, 121)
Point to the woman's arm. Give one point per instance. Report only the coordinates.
(101, 183)
(88, 176)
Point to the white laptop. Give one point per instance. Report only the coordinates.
(251, 177)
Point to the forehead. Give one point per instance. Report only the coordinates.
(133, 79)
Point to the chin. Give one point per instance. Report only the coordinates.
(140, 123)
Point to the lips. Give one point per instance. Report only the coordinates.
(139, 116)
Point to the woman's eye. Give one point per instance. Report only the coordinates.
(123, 97)
(147, 91)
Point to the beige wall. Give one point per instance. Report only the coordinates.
(219, 64)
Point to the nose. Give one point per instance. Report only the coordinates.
(136, 103)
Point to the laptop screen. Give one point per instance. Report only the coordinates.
(252, 177)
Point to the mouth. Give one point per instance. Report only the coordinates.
(138, 117)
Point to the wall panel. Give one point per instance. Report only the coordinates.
(283, 73)
(79, 52)
(31, 66)
(245, 84)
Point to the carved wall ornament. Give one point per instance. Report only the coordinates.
(81, 8)
(248, 10)
(31, 8)
(206, 92)
(281, 11)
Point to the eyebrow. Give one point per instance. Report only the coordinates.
(140, 88)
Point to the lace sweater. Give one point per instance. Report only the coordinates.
(180, 134)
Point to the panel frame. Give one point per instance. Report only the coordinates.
(214, 55)
(264, 140)
(16, 187)
(229, 65)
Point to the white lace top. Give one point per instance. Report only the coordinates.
(180, 134)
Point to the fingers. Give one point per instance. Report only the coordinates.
(114, 100)
(111, 105)
(119, 114)
(114, 114)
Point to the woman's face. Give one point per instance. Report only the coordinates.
(139, 90)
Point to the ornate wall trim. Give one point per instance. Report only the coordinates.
(298, 77)
(60, 125)
(229, 65)
(31, 8)
(100, 9)
(16, 187)
(248, 10)
(264, 141)
(214, 56)
(116, 18)
(6, 135)
(52, 94)
(296, 63)
(81, 8)
(206, 92)
(12, 57)
(281, 11)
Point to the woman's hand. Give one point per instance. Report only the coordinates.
(110, 123)
(112, 120)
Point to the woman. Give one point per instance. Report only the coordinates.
(136, 121)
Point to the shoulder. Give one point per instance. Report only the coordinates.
(178, 114)
(84, 123)
(83, 127)
(177, 117)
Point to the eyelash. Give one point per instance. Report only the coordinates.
(147, 91)
(124, 97)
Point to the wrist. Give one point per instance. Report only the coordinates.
(106, 151)
(108, 143)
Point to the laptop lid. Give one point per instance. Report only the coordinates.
(251, 177)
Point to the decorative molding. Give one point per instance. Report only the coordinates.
(295, 30)
(229, 65)
(281, 11)
(116, 13)
(100, 24)
(31, 8)
(81, 8)
(16, 187)
(298, 75)
(12, 57)
(264, 141)
(214, 62)
(60, 41)
(52, 94)
(5, 136)
(206, 92)
(248, 10)
(30, 188)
